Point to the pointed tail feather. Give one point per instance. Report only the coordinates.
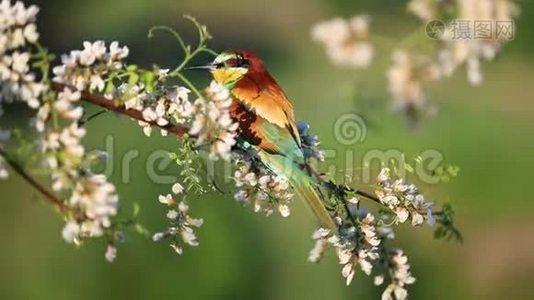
(308, 193)
(303, 184)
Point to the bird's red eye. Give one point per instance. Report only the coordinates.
(232, 62)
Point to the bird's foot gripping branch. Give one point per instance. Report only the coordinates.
(359, 225)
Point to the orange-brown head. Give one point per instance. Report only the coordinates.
(230, 66)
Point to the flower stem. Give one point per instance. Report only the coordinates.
(37, 186)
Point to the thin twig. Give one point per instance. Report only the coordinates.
(368, 196)
(49, 196)
(100, 112)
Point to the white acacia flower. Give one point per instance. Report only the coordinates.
(111, 253)
(180, 108)
(42, 117)
(332, 32)
(401, 276)
(357, 55)
(87, 68)
(346, 41)
(20, 62)
(17, 30)
(368, 228)
(118, 53)
(262, 189)
(149, 115)
(402, 214)
(71, 232)
(321, 244)
(3, 171)
(147, 128)
(166, 199)
(97, 198)
(378, 280)
(179, 250)
(172, 214)
(70, 138)
(407, 79)
(212, 121)
(353, 201)
(159, 108)
(403, 199)
(457, 52)
(177, 188)
(417, 219)
(360, 25)
(30, 33)
(65, 104)
(96, 83)
(350, 259)
(284, 210)
(163, 73)
(92, 52)
(180, 227)
(356, 246)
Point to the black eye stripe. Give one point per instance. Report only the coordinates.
(237, 62)
(243, 63)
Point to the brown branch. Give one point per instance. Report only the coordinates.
(134, 114)
(49, 196)
(368, 196)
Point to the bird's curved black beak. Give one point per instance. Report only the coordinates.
(208, 67)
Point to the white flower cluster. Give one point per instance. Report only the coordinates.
(172, 105)
(346, 41)
(180, 222)
(18, 30)
(399, 271)
(403, 199)
(62, 146)
(355, 246)
(87, 68)
(91, 68)
(263, 189)
(213, 123)
(470, 52)
(455, 52)
(93, 201)
(407, 77)
(96, 199)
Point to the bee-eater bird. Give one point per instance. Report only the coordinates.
(267, 123)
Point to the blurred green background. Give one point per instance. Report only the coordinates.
(487, 131)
